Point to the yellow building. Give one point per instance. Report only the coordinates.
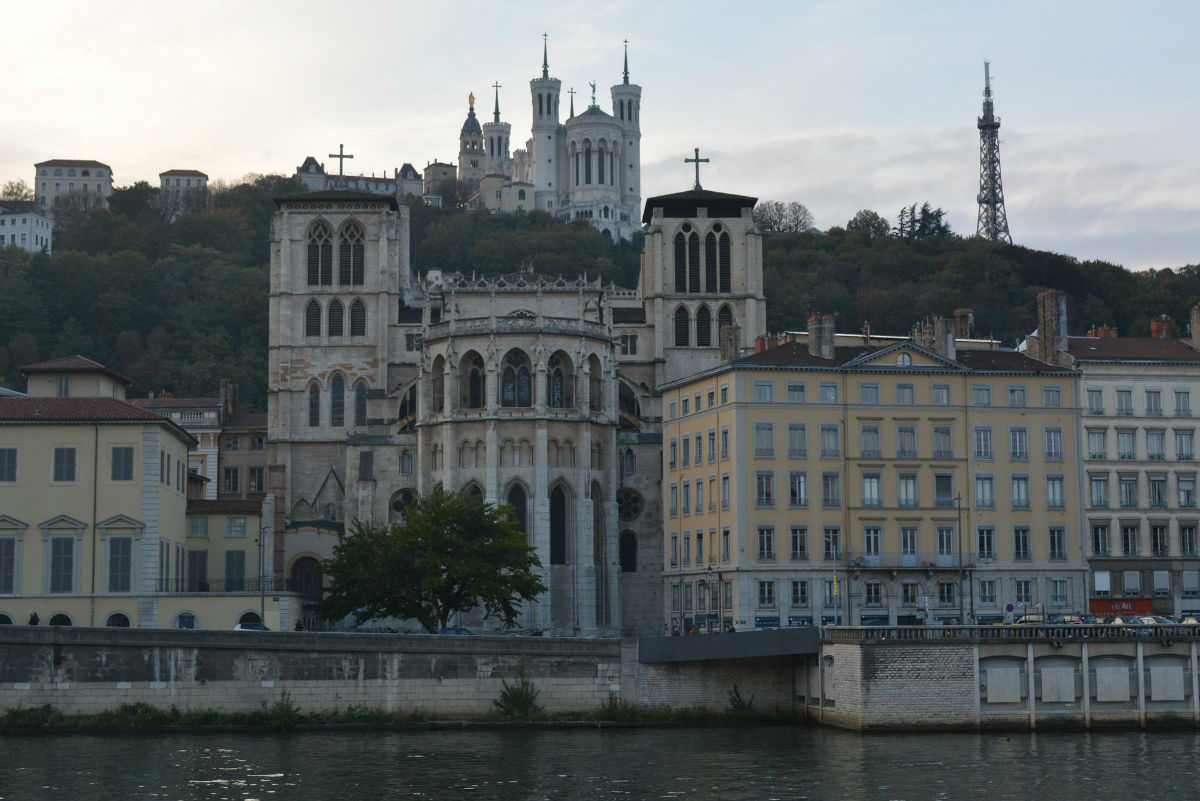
(867, 481)
(95, 525)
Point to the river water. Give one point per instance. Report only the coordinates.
(691, 764)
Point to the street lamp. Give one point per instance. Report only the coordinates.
(262, 575)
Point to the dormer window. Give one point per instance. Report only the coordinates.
(903, 360)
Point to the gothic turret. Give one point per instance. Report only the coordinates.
(495, 140)
(544, 93)
(627, 108)
(470, 151)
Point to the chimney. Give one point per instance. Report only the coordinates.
(964, 321)
(814, 334)
(828, 329)
(943, 337)
(728, 337)
(1052, 325)
(764, 342)
(1103, 332)
(1162, 327)
(1194, 327)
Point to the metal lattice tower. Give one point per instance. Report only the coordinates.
(993, 221)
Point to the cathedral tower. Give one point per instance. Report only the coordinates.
(495, 140)
(470, 152)
(627, 108)
(543, 143)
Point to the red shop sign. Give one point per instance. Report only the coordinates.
(1120, 606)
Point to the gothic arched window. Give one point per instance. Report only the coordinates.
(600, 165)
(587, 164)
(335, 319)
(312, 319)
(680, 263)
(358, 319)
(703, 327)
(595, 384)
(360, 404)
(337, 401)
(628, 552)
(558, 526)
(438, 374)
(724, 317)
(516, 381)
(350, 255)
(320, 255)
(516, 499)
(314, 406)
(723, 262)
(710, 263)
(694, 262)
(683, 328)
(472, 382)
(560, 383)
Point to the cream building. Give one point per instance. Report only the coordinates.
(1139, 459)
(77, 181)
(24, 228)
(182, 192)
(530, 390)
(859, 480)
(94, 517)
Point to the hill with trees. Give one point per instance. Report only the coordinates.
(178, 305)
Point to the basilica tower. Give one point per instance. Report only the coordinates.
(470, 152)
(495, 140)
(627, 108)
(543, 149)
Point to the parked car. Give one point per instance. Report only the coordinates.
(1159, 620)
(1189, 620)
(1132, 623)
(250, 627)
(456, 630)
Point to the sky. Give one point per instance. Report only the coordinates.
(838, 105)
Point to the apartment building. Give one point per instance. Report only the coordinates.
(869, 481)
(24, 228)
(81, 182)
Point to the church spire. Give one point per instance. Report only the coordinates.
(626, 81)
(496, 114)
(571, 92)
(545, 58)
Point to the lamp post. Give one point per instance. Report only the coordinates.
(262, 575)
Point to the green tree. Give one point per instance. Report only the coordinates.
(16, 190)
(870, 223)
(450, 554)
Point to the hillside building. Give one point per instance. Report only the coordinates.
(25, 228)
(82, 183)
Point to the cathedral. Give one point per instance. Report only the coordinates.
(588, 167)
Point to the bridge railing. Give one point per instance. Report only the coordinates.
(1040, 633)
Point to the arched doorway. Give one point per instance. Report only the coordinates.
(308, 579)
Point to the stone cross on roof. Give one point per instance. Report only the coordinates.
(697, 161)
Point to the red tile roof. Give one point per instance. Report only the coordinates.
(80, 410)
(183, 173)
(1131, 349)
(72, 163)
(73, 364)
(1004, 361)
(247, 420)
(233, 506)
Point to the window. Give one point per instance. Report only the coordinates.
(1020, 492)
(764, 488)
(763, 391)
(800, 593)
(725, 549)
(1159, 543)
(1183, 403)
(946, 593)
(797, 442)
(229, 480)
(1016, 396)
(699, 496)
(712, 446)
(337, 401)
(873, 594)
(1102, 581)
(829, 392)
(8, 565)
(907, 490)
(906, 442)
(711, 399)
(235, 527)
(870, 490)
(724, 443)
(1126, 448)
(830, 441)
(312, 319)
(943, 489)
(629, 344)
(869, 439)
(981, 395)
(64, 464)
(725, 492)
(122, 463)
(940, 395)
(1098, 491)
(674, 500)
(672, 454)
(1052, 397)
(1155, 445)
(1183, 445)
(986, 542)
(687, 499)
(516, 381)
(1018, 444)
(1099, 539)
(235, 571)
(985, 495)
(62, 564)
(1187, 492)
(675, 598)
(671, 415)
(831, 490)
(943, 447)
(766, 543)
(797, 489)
(8, 464)
(871, 539)
(256, 483)
(945, 540)
(231, 443)
(1097, 444)
(674, 548)
(1158, 491)
(799, 543)
(198, 527)
(910, 537)
(724, 394)
(1153, 403)
(1095, 401)
(337, 319)
(1162, 583)
(687, 549)
(987, 592)
(1132, 582)
(686, 457)
(868, 392)
(64, 386)
(1187, 540)
(1058, 592)
(764, 439)
(1054, 444)
(910, 593)
(905, 395)
(1129, 540)
(1125, 402)
(120, 564)
(1021, 546)
(1022, 591)
(795, 392)
(983, 442)
(699, 547)
(1055, 496)
(684, 409)
(831, 544)
(314, 406)
(350, 255)
(766, 595)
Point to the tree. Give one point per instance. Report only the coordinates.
(923, 223)
(779, 217)
(870, 223)
(17, 190)
(133, 201)
(450, 554)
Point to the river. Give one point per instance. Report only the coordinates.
(691, 764)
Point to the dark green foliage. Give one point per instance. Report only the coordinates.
(450, 554)
(738, 703)
(518, 701)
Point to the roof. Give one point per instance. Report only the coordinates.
(247, 420)
(184, 172)
(471, 125)
(635, 315)
(1005, 361)
(796, 354)
(233, 506)
(685, 204)
(175, 403)
(20, 207)
(309, 161)
(5, 392)
(595, 111)
(81, 410)
(408, 172)
(1131, 349)
(337, 196)
(72, 163)
(73, 364)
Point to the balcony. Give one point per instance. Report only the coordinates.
(871, 453)
(910, 561)
(229, 586)
(943, 454)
